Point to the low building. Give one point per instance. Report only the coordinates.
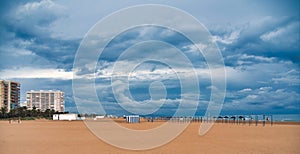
(133, 118)
(68, 117)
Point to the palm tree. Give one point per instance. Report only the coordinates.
(25, 111)
(12, 113)
(33, 112)
(39, 113)
(22, 111)
(3, 112)
(48, 113)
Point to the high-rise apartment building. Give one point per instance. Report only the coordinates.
(9, 94)
(44, 100)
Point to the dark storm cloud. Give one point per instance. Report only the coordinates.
(263, 100)
(26, 26)
(269, 37)
(135, 35)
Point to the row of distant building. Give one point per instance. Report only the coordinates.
(42, 100)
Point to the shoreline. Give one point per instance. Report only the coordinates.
(144, 120)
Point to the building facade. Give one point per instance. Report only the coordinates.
(44, 100)
(9, 94)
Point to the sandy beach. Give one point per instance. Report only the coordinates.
(43, 136)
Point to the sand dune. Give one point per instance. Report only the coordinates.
(42, 136)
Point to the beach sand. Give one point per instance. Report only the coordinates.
(44, 136)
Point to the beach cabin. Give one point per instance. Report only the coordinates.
(99, 117)
(133, 118)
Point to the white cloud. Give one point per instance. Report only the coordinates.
(29, 72)
(227, 39)
(245, 90)
(36, 5)
(282, 33)
(265, 89)
(258, 58)
(289, 77)
(251, 97)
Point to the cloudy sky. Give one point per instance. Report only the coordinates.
(259, 42)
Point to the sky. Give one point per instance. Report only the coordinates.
(258, 40)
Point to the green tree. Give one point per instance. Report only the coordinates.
(22, 111)
(33, 112)
(3, 112)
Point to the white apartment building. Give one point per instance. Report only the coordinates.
(46, 100)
